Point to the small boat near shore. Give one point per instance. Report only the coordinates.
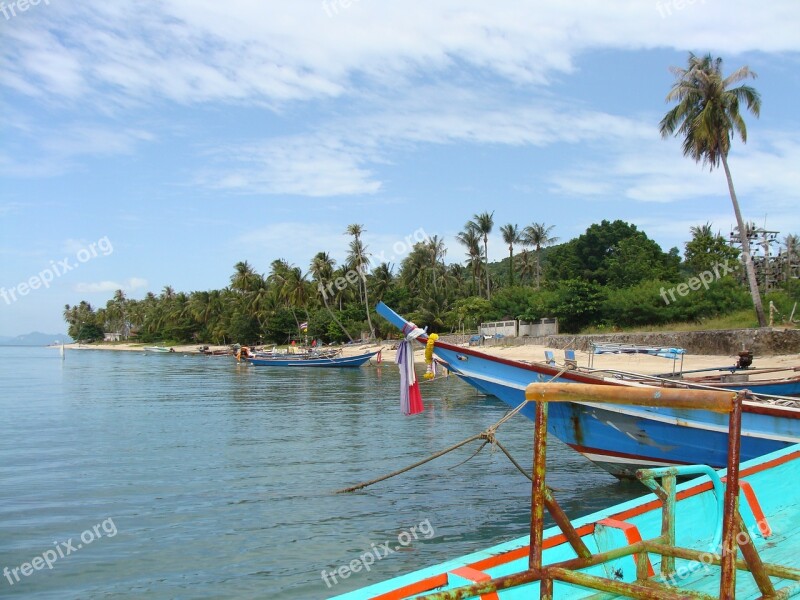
(621, 438)
(158, 349)
(725, 534)
(206, 351)
(310, 360)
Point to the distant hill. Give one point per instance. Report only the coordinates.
(35, 338)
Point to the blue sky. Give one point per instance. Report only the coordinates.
(187, 135)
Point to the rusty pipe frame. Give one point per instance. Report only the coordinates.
(717, 401)
(538, 487)
(730, 525)
(771, 569)
(712, 400)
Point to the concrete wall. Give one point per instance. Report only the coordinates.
(534, 329)
(506, 328)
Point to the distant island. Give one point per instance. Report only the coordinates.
(35, 338)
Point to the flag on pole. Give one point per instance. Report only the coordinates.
(304, 325)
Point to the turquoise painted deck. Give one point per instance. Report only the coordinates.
(773, 479)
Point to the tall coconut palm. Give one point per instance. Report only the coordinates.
(471, 240)
(483, 224)
(321, 270)
(707, 116)
(511, 236)
(358, 252)
(538, 236)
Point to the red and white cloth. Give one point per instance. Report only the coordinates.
(410, 397)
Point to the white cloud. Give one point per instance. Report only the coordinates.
(45, 152)
(267, 53)
(129, 285)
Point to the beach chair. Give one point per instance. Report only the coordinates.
(549, 358)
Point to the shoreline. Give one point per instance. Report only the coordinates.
(639, 363)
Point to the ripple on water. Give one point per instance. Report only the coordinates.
(220, 477)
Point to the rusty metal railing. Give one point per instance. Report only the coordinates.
(643, 587)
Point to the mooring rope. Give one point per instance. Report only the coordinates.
(488, 435)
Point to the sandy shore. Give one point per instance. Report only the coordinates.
(639, 363)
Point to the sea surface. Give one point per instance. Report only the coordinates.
(127, 475)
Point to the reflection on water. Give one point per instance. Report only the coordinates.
(219, 477)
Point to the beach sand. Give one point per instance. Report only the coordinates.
(638, 363)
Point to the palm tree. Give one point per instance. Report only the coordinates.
(469, 237)
(482, 223)
(244, 278)
(321, 270)
(437, 251)
(538, 236)
(707, 116)
(358, 251)
(382, 279)
(511, 236)
(701, 231)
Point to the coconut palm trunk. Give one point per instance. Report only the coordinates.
(335, 319)
(748, 259)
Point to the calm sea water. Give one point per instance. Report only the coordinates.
(171, 476)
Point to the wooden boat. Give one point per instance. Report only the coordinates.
(740, 380)
(158, 349)
(310, 360)
(621, 439)
(206, 351)
(683, 541)
(301, 355)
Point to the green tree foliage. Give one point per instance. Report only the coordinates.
(612, 253)
(579, 303)
(510, 303)
(611, 275)
(706, 250)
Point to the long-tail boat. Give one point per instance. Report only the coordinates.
(310, 360)
(620, 438)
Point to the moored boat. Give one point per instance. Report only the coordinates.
(158, 349)
(682, 541)
(620, 438)
(310, 360)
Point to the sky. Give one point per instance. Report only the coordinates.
(154, 143)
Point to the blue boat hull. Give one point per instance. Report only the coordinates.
(348, 361)
(621, 439)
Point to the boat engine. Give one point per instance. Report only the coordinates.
(745, 359)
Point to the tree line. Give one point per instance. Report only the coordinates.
(613, 275)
